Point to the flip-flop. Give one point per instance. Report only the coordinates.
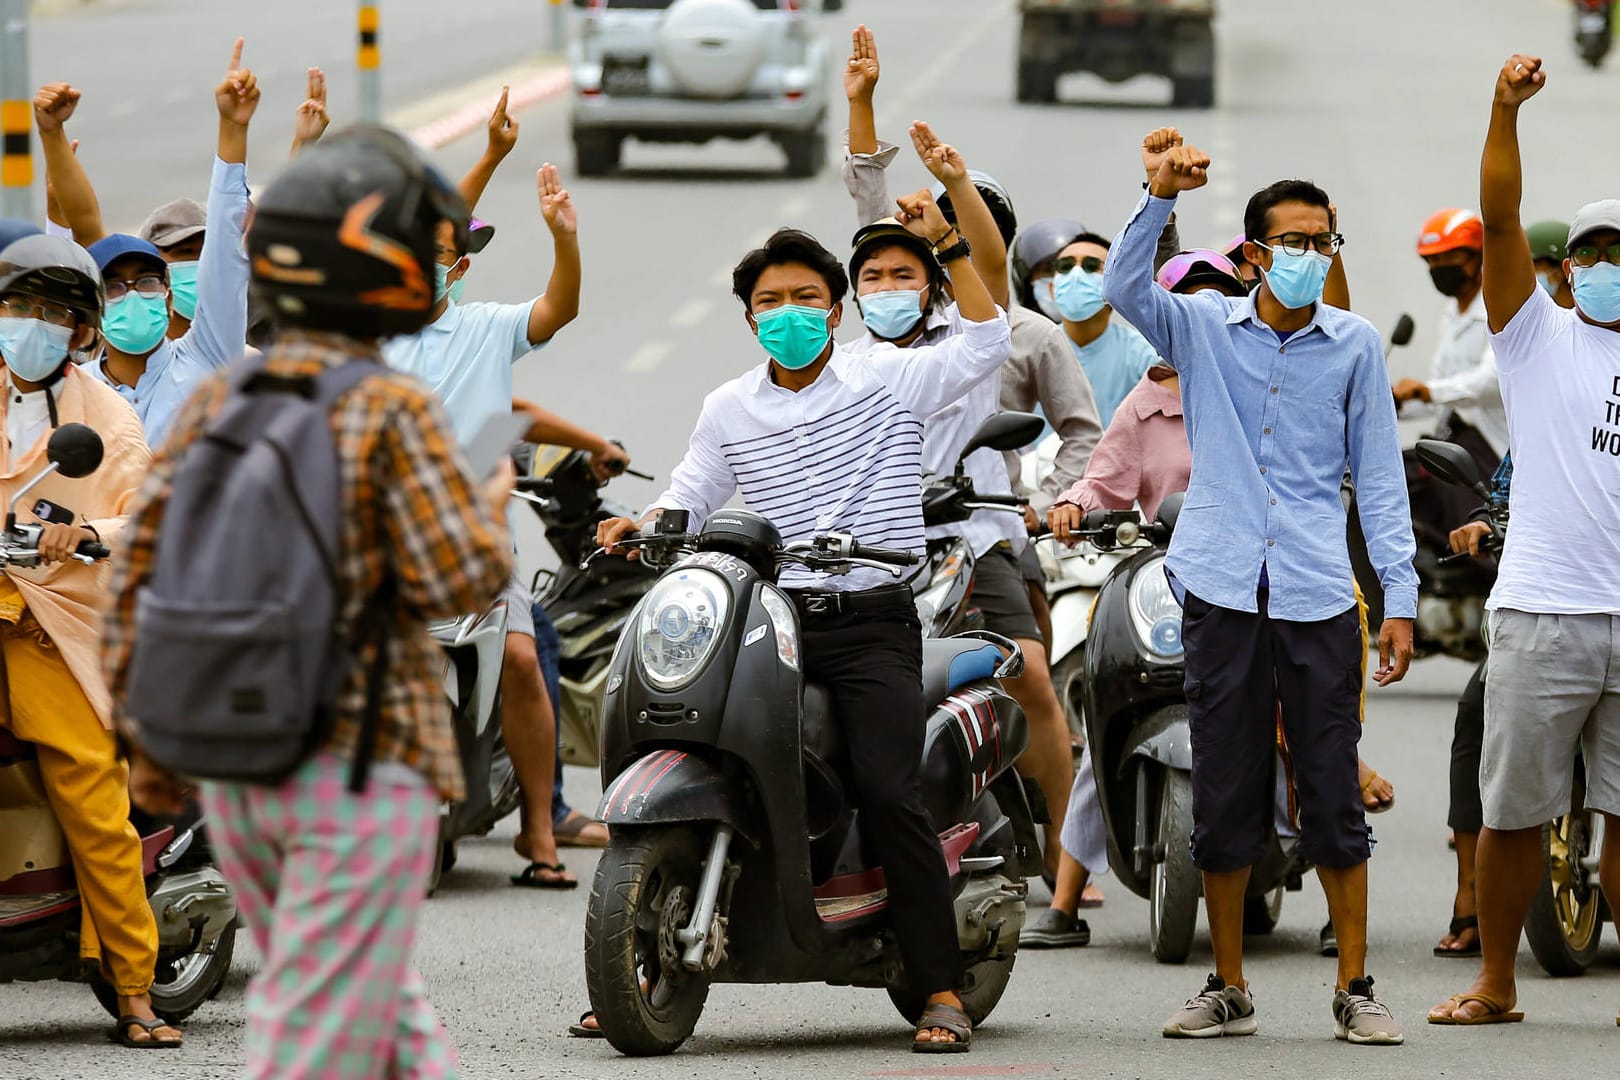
(953, 1020)
(1496, 1012)
(570, 831)
(530, 877)
(1458, 925)
(120, 1034)
(580, 1031)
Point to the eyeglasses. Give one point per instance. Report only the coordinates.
(22, 307)
(1090, 264)
(1589, 254)
(1298, 243)
(148, 285)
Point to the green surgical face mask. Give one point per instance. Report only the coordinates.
(442, 284)
(135, 324)
(183, 287)
(794, 335)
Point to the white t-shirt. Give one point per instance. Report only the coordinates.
(1561, 385)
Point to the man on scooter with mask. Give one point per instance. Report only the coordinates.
(50, 625)
(782, 434)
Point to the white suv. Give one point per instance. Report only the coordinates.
(695, 70)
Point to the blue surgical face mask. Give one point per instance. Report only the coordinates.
(135, 324)
(1042, 288)
(793, 335)
(1078, 294)
(183, 287)
(1296, 280)
(442, 285)
(1550, 280)
(892, 315)
(1597, 292)
(33, 349)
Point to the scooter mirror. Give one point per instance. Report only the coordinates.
(75, 449)
(1402, 334)
(1005, 431)
(1169, 511)
(1450, 463)
(671, 522)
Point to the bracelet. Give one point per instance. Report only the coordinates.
(959, 250)
(933, 245)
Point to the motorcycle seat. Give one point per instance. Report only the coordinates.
(951, 663)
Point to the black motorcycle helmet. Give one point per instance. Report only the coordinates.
(54, 268)
(345, 238)
(995, 197)
(1036, 244)
(745, 534)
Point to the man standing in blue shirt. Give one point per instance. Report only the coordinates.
(1282, 392)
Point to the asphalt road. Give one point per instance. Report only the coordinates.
(1382, 102)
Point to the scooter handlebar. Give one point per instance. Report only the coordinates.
(892, 556)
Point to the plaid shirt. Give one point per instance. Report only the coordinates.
(421, 520)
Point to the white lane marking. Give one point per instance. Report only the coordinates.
(691, 313)
(947, 62)
(648, 357)
(446, 117)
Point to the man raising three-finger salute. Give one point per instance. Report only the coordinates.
(1281, 392)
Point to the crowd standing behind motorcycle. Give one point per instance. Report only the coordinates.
(318, 745)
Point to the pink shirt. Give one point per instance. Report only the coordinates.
(1143, 456)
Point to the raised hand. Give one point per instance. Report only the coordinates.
(53, 205)
(53, 106)
(311, 119)
(503, 130)
(1155, 145)
(941, 159)
(237, 95)
(1520, 80)
(861, 73)
(1183, 169)
(921, 216)
(556, 205)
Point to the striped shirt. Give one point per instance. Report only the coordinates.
(844, 453)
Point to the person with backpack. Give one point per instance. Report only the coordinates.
(50, 303)
(268, 632)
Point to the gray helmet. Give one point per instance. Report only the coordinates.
(1035, 244)
(54, 268)
(995, 197)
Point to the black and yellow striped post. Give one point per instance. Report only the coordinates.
(16, 114)
(369, 60)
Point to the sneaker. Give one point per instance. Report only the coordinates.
(1054, 929)
(1359, 1017)
(1218, 1010)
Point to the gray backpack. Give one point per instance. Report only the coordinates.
(236, 665)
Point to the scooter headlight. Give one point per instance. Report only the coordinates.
(680, 622)
(1154, 611)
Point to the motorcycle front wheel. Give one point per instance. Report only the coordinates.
(1175, 883)
(1565, 925)
(182, 985)
(645, 1000)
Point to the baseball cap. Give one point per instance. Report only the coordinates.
(14, 229)
(1603, 214)
(109, 249)
(479, 234)
(173, 222)
(1548, 240)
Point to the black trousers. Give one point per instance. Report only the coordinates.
(1240, 667)
(871, 665)
(1466, 815)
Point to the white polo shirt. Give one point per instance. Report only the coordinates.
(466, 356)
(1463, 377)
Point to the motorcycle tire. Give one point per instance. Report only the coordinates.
(1565, 924)
(1261, 913)
(982, 986)
(1174, 883)
(1068, 679)
(182, 986)
(645, 889)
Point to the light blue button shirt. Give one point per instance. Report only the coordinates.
(1272, 426)
(218, 333)
(1114, 364)
(466, 356)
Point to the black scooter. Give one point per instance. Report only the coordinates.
(736, 852)
(588, 603)
(1593, 29)
(1565, 923)
(1136, 726)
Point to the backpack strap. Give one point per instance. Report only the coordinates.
(371, 719)
(332, 383)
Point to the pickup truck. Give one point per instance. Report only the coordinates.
(1118, 39)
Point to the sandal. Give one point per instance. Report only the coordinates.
(1495, 1012)
(1054, 929)
(1378, 805)
(947, 1018)
(120, 1034)
(580, 1031)
(576, 830)
(530, 877)
(1459, 925)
